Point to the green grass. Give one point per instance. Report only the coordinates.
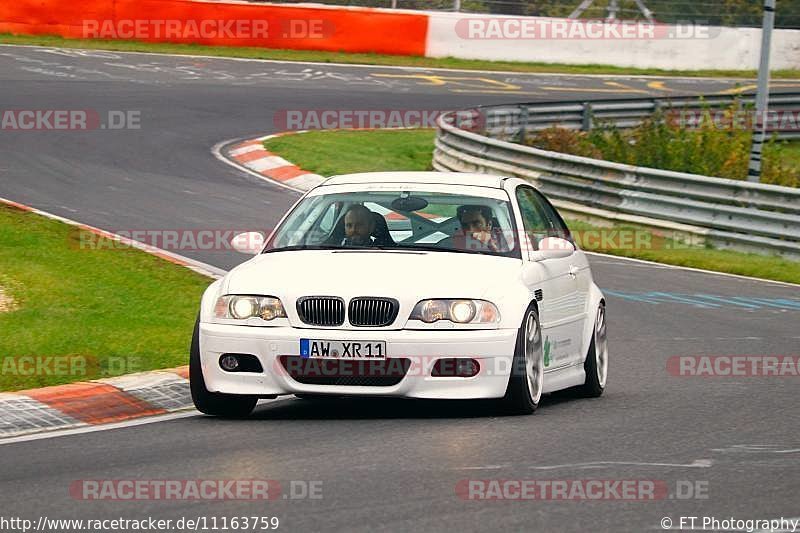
(122, 310)
(340, 152)
(372, 59)
(672, 252)
(787, 152)
(344, 152)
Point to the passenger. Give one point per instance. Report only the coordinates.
(477, 229)
(359, 225)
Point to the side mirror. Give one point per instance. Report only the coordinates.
(249, 242)
(552, 248)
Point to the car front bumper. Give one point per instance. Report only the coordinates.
(493, 349)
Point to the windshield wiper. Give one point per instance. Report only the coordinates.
(304, 247)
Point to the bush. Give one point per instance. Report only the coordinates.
(663, 142)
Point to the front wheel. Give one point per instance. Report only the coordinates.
(213, 403)
(596, 364)
(526, 382)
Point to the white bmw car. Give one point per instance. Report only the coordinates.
(405, 284)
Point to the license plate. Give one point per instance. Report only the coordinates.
(321, 349)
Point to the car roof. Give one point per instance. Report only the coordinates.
(439, 178)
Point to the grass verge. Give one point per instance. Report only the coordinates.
(98, 313)
(373, 59)
(340, 152)
(344, 152)
(788, 152)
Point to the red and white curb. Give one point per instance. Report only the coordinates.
(92, 403)
(251, 156)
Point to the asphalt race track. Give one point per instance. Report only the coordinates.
(394, 465)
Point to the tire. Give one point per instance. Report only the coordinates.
(525, 384)
(596, 364)
(213, 403)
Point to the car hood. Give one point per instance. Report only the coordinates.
(395, 274)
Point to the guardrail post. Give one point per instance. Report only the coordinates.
(658, 109)
(586, 122)
(523, 125)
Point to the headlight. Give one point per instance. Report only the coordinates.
(458, 311)
(244, 307)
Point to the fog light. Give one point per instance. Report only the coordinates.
(455, 368)
(466, 368)
(229, 363)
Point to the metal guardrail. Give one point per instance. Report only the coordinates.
(728, 213)
(514, 121)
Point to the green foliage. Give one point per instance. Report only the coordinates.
(715, 146)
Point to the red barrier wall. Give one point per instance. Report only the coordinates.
(331, 29)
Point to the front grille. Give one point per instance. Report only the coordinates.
(372, 312)
(346, 372)
(326, 311)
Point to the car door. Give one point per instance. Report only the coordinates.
(562, 304)
(580, 271)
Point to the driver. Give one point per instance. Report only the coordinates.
(359, 224)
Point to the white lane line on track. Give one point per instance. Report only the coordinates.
(488, 467)
(651, 264)
(390, 67)
(104, 427)
(697, 463)
(185, 413)
(695, 339)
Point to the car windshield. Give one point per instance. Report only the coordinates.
(402, 220)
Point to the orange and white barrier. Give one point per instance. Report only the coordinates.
(334, 29)
(640, 44)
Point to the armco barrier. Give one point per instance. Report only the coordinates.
(724, 212)
(316, 27)
(515, 120)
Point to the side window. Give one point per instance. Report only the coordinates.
(559, 227)
(539, 218)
